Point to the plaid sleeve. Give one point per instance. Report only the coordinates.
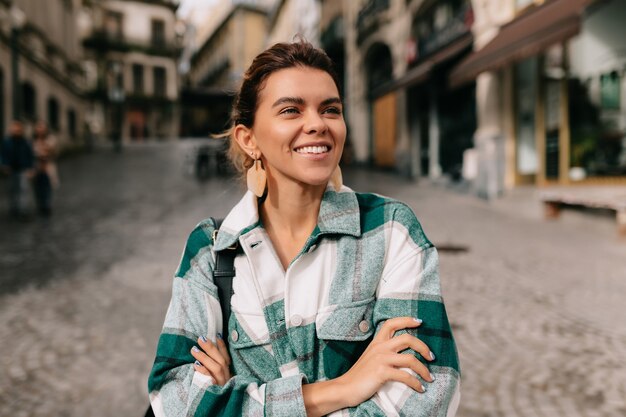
(410, 287)
(175, 388)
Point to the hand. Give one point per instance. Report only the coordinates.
(381, 362)
(212, 359)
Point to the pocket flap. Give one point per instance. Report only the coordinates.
(352, 321)
(246, 330)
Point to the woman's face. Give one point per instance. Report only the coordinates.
(299, 126)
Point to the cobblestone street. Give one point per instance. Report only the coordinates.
(537, 307)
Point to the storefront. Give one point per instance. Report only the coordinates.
(562, 65)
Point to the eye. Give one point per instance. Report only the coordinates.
(289, 110)
(332, 110)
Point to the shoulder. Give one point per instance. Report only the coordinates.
(388, 213)
(202, 235)
(199, 243)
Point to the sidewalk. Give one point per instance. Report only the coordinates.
(536, 306)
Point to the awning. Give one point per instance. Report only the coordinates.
(421, 72)
(529, 34)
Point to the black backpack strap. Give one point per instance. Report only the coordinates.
(223, 275)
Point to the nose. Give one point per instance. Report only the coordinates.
(314, 123)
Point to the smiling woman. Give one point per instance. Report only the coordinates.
(328, 281)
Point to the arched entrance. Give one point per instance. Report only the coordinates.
(379, 70)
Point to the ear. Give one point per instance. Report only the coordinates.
(246, 140)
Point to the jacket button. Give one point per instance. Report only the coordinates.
(234, 336)
(364, 326)
(296, 320)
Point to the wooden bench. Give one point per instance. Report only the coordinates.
(613, 199)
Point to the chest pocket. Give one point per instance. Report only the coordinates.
(250, 347)
(345, 332)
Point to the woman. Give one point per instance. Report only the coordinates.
(329, 282)
(45, 176)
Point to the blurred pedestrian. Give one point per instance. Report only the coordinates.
(328, 284)
(17, 161)
(45, 176)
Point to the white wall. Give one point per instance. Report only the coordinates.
(137, 21)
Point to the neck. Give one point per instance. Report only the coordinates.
(292, 207)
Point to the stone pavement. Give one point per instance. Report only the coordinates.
(537, 307)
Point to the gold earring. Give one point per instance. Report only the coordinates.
(256, 178)
(336, 179)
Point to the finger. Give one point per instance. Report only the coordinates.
(221, 346)
(215, 369)
(405, 360)
(406, 340)
(197, 365)
(210, 349)
(407, 379)
(391, 326)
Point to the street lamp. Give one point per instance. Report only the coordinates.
(18, 20)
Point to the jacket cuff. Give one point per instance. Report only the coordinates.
(283, 397)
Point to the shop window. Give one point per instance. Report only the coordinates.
(598, 140)
(610, 87)
(53, 113)
(525, 99)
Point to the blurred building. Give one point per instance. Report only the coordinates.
(228, 40)
(218, 64)
(500, 93)
(550, 79)
(131, 52)
(41, 77)
(402, 113)
(294, 17)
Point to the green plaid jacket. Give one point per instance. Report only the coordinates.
(367, 260)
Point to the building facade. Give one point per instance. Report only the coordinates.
(550, 87)
(403, 115)
(41, 73)
(218, 64)
(234, 34)
(131, 52)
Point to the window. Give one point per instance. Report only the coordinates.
(29, 100)
(159, 81)
(158, 33)
(138, 79)
(113, 24)
(53, 113)
(71, 123)
(610, 86)
(115, 80)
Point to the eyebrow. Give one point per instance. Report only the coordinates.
(300, 101)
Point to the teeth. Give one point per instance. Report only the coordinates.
(312, 149)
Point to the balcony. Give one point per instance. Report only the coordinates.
(103, 41)
(369, 18)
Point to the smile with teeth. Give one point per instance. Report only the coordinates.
(312, 149)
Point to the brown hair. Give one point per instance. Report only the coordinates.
(279, 56)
